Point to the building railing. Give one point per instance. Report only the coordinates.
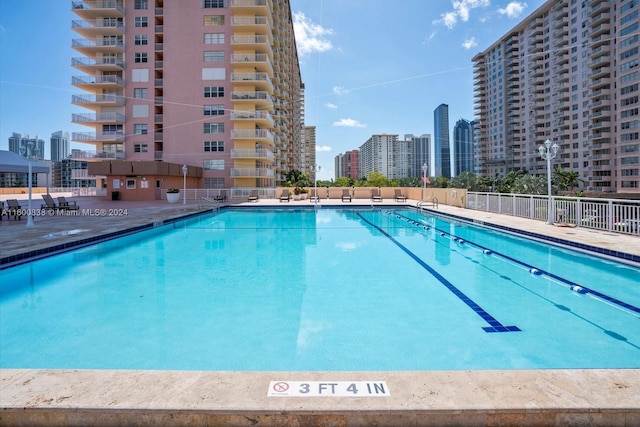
(616, 215)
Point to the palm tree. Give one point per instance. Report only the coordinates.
(566, 180)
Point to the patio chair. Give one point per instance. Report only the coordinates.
(63, 203)
(375, 195)
(345, 195)
(49, 203)
(254, 197)
(399, 197)
(285, 196)
(222, 197)
(313, 197)
(14, 209)
(3, 211)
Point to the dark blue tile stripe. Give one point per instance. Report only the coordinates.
(494, 324)
(571, 284)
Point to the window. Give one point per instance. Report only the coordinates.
(629, 101)
(630, 137)
(630, 5)
(214, 73)
(140, 110)
(112, 130)
(140, 39)
(140, 129)
(629, 53)
(213, 165)
(629, 30)
(141, 4)
(131, 183)
(216, 56)
(214, 38)
(213, 146)
(214, 110)
(214, 92)
(213, 20)
(207, 4)
(140, 21)
(140, 93)
(140, 57)
(213, 127)
(630, 113)
(631, 41)
(630, 17)
(139, 147)
(629, 89)
(140, 75)
(214, 183)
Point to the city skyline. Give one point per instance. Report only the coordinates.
(352, 90)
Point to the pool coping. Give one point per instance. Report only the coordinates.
(592, 397)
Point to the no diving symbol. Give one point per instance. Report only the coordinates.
(280, 387)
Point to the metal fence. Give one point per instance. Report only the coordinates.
(618, 215)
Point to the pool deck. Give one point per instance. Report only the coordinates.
(426, 398)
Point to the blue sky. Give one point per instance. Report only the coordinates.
(369, 66)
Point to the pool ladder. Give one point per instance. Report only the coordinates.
(204, 201)
(432, 200)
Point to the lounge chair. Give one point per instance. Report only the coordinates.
(399, 197)
(49, 203)
(345, 195)
(254, 197)
(14, 209)
(285, 196)
(375, 195)
(222, 197)
(3, 211)
(63, 203)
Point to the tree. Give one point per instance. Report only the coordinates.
(468, 180)
(344, 181)
(376, 179)
(566, 180)
(297, 178)
(530, 184)
(438, 182)
(505, 185)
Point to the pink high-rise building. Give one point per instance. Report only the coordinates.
(213, 84)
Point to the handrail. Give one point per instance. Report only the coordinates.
(211, 200)
(433, 200)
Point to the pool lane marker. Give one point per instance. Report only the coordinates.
(573, 286)
(494, 324)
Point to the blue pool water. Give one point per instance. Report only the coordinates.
(341, 289)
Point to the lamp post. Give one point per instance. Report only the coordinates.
(424, 180)
(316, 169)
(184, 184)
(548, 152)
(30, 180)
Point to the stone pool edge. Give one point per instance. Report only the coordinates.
(581, 397)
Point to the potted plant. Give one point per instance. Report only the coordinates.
(173, 195)
(297, 193)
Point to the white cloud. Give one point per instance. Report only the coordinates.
(322, 148)
(339, 90)
(310, 37)
(461, 11)
(470, 43)
(330, 105)
(513, 9)
(349, 123)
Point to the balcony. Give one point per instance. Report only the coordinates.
(258, 61)
(93, 65)
(91, 47)
(98, 118)
(261, 117)
(255, 24)
(103, 100)
(253, 134)
(94, 137)
(261, 81)
(94, 83)
(94, 9)
(98, 27)
(259, 154)
(259, 43)
(93, 154)
(256, 7)
(601, 29)
(258, 98)
(252, 173)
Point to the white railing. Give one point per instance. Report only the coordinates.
(618, 215)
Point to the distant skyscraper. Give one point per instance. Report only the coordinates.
(462, 147)
(421, 154)
(442, 150)
(376, 155)
(59, 146)
(346, 165)
(21, 144)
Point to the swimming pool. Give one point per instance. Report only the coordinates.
(327, 289)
